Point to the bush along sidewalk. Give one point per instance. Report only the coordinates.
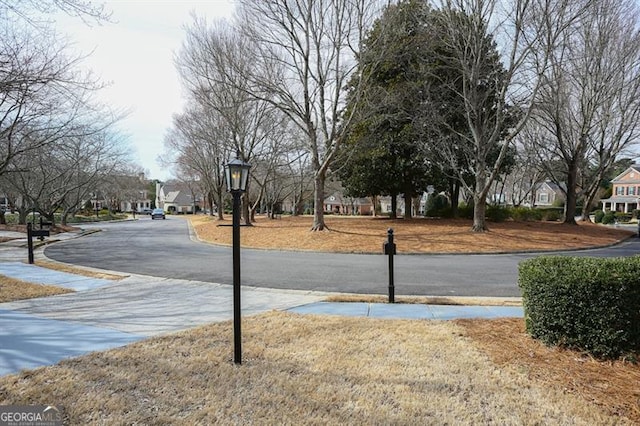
(589, 304)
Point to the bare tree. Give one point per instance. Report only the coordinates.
(305, 51)
(526, 31)
(194, 146)
(527, 173)
(214, 64)
(35, 12)
(61, 178)
(589, 104)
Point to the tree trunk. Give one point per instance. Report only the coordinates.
(455, 196)
(298, 206)
(570, 202)
(220, 204)
(246, 210)
(408, 214)
(318, 197)
(479, 211)
(480, 201)
(394, 206)
(22, 216)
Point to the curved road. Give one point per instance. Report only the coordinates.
(164, 248)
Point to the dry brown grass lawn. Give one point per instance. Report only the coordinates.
(12, 289)
(366, 235)
(308, 370)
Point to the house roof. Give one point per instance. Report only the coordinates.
(175, 195)
(632, 168)
(552, 186)
(626, 199)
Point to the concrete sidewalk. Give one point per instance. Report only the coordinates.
(408, 311)
(104, 314)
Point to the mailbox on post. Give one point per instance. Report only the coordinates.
(389, 248)
(39, 233)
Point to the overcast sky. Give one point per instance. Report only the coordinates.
(134, 55)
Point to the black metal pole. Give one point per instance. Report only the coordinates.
(391, 252)
(30, 243)
(237, 337)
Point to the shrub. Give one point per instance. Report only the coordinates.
(622, 217)
(465, 211)
(599, 214)
(437, 205)
(497, 213)
(551, 214)
(526, 214)
(589, 304)
(609, 218)
(634, 214)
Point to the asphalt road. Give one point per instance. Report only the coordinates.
(163, 248)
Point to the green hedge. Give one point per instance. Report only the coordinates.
(526, 214)
(623, 217)
(498, 213)
(551, 214)
(609, 218)
(590, 304)
(598, 215)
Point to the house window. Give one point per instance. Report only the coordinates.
(619, 190)
(631, 190)
(543, 198)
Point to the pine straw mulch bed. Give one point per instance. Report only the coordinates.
(366, 235)
(613, 385)
(56, 229)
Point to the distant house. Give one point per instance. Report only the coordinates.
(626, 191)
(177, 198)
(339, 204)
(385, 205)
(548, 194)
(140, 205)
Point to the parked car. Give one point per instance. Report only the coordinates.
(144, 210)
(157, 214)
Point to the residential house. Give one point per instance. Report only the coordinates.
(140, 205)
(339, 204)
(548, 194)
(177, 198)
(626, 191)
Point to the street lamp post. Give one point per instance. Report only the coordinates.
(236, 176)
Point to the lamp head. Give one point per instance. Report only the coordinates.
(236, 175)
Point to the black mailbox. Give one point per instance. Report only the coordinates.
(31, 233)
(40, 233)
